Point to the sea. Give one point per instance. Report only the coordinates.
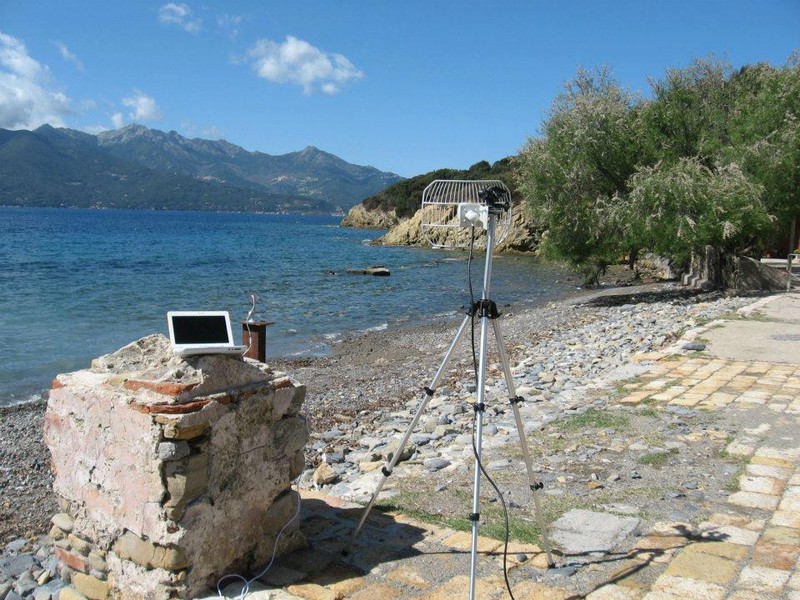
(76, 284)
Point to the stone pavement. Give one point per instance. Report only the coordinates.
(748, 550)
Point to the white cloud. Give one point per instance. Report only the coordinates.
(118, 119)
(26, 100)
(230, 25)
(69, 56)
(298, 62)
(180, 14)
(144, 107)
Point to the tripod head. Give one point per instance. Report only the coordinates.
(496, 197)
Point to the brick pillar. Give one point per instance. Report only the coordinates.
(254, 335)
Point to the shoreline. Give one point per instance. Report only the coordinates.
(361, 381)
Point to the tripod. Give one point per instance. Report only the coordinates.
(486, 309)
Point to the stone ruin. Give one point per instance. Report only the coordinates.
(172, 472)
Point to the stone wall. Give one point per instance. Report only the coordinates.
(172, 472)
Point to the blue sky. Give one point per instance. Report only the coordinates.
(407, 86)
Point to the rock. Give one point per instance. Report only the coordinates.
(324, 474)
(435, 464)
(63, 521)
(694, 347)
(583, 531)
(379, 271)
(362, 218)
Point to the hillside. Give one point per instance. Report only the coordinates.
(137, 167)
(405, 197)
(397, 208)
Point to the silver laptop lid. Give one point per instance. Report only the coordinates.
(198, 331)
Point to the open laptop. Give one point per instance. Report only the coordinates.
(201, 332)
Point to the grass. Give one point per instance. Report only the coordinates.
(656, 459)
(523, 525)
(521, 528)
(595, 418)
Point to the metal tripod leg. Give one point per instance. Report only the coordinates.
(480, 408)
(535, 486)
(429, 391)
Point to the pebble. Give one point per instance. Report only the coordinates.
(593, 345)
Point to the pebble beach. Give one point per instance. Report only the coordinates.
(364, 394)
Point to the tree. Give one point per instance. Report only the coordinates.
(712, 158)
(577, 170)
(765, 131)
(675, 208)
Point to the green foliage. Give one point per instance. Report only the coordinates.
(405, 197)
(675, 207)
(711, 159)
(573, 174)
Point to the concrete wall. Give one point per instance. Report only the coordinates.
(172, 472)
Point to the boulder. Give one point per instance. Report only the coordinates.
(362, 218)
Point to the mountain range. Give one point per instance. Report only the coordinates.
(138, 167)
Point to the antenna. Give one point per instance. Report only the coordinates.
(451, 207)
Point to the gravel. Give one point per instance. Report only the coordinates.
(366, 392)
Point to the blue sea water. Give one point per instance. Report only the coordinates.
(76, 284)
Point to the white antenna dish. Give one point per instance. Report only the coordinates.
(451, 208)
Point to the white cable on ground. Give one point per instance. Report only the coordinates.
(246, 587)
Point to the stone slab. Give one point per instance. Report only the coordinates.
(582, 531)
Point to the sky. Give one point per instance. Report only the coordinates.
(406, 86)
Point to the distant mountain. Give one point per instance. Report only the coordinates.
(311, 172)
(137, 167)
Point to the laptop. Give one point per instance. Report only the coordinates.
(201, 332)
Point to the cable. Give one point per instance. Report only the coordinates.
(246, 587)
(478, 415)
(249, 319)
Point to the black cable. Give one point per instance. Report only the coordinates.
(479, 415)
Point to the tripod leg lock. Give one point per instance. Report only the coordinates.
(516, 400)
(386, 472)
(479, 407)
(537, 485)
(485, 309)
(474, 516)
(429, 391)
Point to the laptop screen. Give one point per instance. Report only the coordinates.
(200, 329)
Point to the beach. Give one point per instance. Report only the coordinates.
(365, 392)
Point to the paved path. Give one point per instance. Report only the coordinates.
(748, 550)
